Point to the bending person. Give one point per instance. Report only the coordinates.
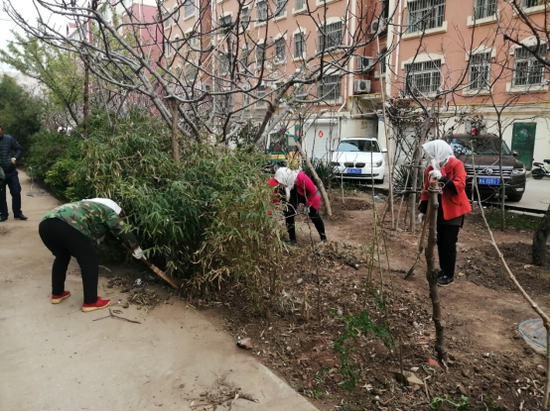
(299, 189)
(71, 230)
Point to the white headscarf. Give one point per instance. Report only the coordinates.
(107, 202)
(439, 153)
(286, 176)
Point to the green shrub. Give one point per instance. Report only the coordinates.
(46, 148)
(205, 219)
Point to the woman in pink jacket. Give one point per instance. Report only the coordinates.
(299, 189)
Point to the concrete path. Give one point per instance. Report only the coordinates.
(55, 357)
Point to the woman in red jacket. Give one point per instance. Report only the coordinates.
(453, 204)
(299, 189)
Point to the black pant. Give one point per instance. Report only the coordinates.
(65, 241)
(447, 236)
(12, 182)
(290, 213)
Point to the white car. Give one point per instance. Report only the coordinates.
(359, 158)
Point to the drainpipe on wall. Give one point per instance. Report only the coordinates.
(348, 84)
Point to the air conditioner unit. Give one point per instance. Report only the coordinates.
(378, 26)
(365, 63)
(361, 86)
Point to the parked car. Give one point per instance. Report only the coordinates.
(359, 158)
(483, 152)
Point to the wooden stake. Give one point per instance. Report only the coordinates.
(175, 283)
(431, 275)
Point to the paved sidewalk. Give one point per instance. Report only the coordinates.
(55, 357)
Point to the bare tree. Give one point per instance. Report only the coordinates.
(221, 73)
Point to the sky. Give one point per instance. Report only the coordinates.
(25, 8)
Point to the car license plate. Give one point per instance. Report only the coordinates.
(489, 181)
(354, 171)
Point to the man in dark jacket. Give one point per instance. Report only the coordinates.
(10, 153)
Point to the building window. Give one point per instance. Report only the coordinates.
(224, 63)
(300, 5)
(527, 69)
(382, 60)
(226, 23)
(260, 54)
(385, 9)
(423, 78)
(532, 3)
(261, 97)
(426, 14)
(330, 35)
(166, 19)
(176, 15)
(280, 8)
(245, 18)
(480, 71)
(485, 8)
(168, 46)
(262, 10)
(245, 55)
(177, 44)
(329, 87)
(299, 45)
(280, 49)
(188, 8)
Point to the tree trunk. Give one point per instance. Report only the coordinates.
(175, 142)
(432, 273)
(540, 238)
(86, 99)
(318, 181)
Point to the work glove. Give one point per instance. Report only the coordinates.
(421, 217)
(138, 253)
(305, 210)
(435, 174)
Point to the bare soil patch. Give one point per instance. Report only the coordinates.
(348, 325)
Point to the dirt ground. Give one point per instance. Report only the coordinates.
(160, 354)
(305, 341)
(345, 332)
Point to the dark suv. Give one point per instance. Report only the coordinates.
(483, 152)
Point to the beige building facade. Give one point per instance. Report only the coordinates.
(439, 53)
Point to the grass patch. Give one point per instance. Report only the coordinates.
(518, 221)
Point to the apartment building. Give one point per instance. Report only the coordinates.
(457, 51)
(448, 52)
(278, 41)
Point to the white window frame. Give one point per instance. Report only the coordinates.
(188, 8)
(280, 43)
(479, 70)
(260, 50)
(533, 67)
(261, 11)
(299, 5)
(222, 22)
(303, 44)
(429, 74)
(330, 29)
(166, 19)
(484, 9)
(176, 15)
(261, 93)
(417, 20)
(335, 84)
(280, 8)
(245, 18)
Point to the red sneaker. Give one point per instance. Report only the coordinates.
(100, 304)
(59, 298)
